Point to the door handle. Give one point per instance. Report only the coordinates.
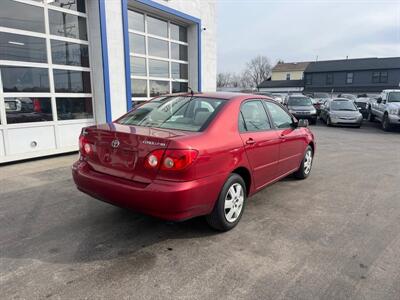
(250, 141)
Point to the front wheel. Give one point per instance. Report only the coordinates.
(306, 164)
(230, 204)
(386, 123)
(370, 117)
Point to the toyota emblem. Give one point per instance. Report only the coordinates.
(115, 144)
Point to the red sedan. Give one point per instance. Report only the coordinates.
(181, 156)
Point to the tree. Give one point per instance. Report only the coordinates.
(224, 79)
(258, 69)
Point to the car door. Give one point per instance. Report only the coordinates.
(260, 141)
(292, 140)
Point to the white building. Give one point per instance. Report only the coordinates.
(66, 64)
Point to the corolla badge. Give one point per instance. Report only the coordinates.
(115, 144)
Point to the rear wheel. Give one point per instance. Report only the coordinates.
(306, 164)
(229, 207)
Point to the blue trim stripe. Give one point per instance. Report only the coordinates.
(168, 10)
(126, 54)
(104, 51)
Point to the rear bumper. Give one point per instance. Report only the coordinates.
(338, 121)
(167, 200)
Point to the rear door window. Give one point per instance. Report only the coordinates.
(253, 117)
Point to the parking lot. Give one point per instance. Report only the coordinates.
(335, 235)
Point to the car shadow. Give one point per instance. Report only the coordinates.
(101, 233)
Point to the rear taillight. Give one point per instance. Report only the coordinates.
(171, 160)
(85, 147)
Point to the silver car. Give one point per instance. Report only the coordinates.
(341, 111)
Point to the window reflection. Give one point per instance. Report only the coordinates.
(179, 71)
(179, 52)
(137, 43)
(157, 27)
(135, 21)
(158, 87)
(139, 88)
(25, 79)
(76, 5)
(158, 47)
(74, 108)
(24, 110)
(65, 53)
(67, 25)
(67, 81)
(158, 68)
(11, 16)
(18, 47)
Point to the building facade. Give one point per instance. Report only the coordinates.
(66, 64)
(289, 71)
(357, 76)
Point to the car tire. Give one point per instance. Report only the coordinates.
(229, 207)
(306, 164)
(328, 122)
(386, 123)
(371, 117)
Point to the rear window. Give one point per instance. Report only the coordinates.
(299, 101)
(177, 112)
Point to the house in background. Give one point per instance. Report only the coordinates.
(289, 71)
(286, 77)
(361, 75)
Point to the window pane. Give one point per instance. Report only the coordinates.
(11, 16)
(76, 5)
(158, 68)
(74, 108)
(255, 117)
(179, 52)
(135, 21)
(158, 88)
(179, 87)
(67, 81)
(137, 43)
(179, 71)
(22, 48)
(375, 77)
(67, 25)
(384, 77)
(158, 47)
(24, 79)
(65, 53)
(23, 110)
(178, 33)
(157, 27)
(280, 117)
(139, 88)
(138, 66)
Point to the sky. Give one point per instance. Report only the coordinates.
(300, 30)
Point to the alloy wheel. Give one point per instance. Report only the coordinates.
(308, 162)
(233, 202)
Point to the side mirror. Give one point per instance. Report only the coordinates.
(379, 100)
(302, 123)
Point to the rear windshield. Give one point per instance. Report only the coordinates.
(299, 101)
(177, 112)
(343, 105)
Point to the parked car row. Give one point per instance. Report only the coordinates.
(346, 109)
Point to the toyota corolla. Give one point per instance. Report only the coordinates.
(182, 156)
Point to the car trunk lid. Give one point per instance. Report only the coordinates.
(120, 150)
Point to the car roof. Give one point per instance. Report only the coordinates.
(220, 95)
